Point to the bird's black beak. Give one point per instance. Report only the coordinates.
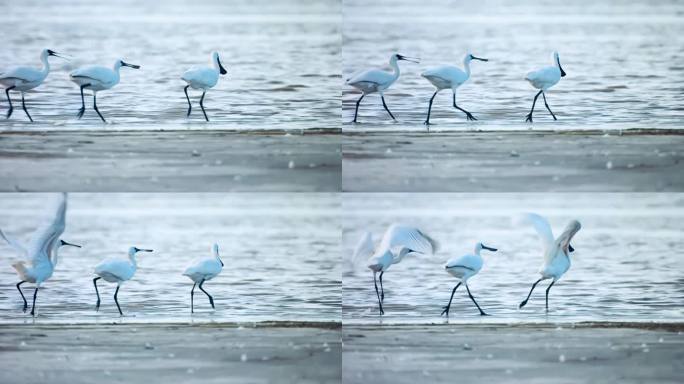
(561, 69)
(221, 261)
(570, 248)
(53, 53)
(478, 58)
(73, 245)
(145, 250)
(405, 58)
(489, 248)
(130, 65)
(221, 69)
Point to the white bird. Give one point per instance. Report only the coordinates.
(397, 242)
(556, 252)
(42, 251)
(203, 78)
(23, 79)
(377, 80)
(544, 79)
(450, 77)
(117, 271)
(463, 268)
(202, 271)
(97, 78)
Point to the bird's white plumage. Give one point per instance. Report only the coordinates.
(98, 77)
(26, 78)
(556, 253)
(445, 76)
(410, 237)
(116, 270)
(546, 77)
(363, 250)
(543, 228)
(464, 267)
(204, 77)
(205, 269)
(375, 79)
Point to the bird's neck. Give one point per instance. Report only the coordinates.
(466, 67)
(133, 261)
(46, 64)
(395, 68)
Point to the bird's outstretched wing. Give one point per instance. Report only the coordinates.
(409, 237)
(542, 226)
(47, 235)
(363, 250)
(14, 244)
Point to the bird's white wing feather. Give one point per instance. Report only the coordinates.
(468, 261)
(14, 244)
(376, 76)
(25, 74)
(95, 72)
(446, 72)
(409, 237)
(542, 226)
(45, 238)
(204, 267)
(363, 250)
(120, 268)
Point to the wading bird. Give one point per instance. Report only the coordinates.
(556, 252)
(463, 268)
(544, 79)
(23, 79)
(203, 78)
(117, 271)
(42, 251)
(202, 271)
(449, 77)
(397, 242)
(377, 80)
(97, 78)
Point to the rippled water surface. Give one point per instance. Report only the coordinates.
(280, 254)
(623, 61)
(282, 58)
(627, 264)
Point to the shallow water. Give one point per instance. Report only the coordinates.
(276, 248)
(623, 61)
(626, 267)
(282, 59)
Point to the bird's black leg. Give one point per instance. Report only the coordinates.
(358, 102)
(33, 309)
(446, 309)
(529, 115)
(482, 313)
(547, 106)
(23, 106)
(82, 110)
(192, 299)
(116, 300)
(382, 290)
(524, 302)
(547, 294)
(97, 305)
(469, 116)
(385, 105)
(11, 108)
(22, 294)
(95, 107)
(189, 105)
(202, 106)
(211, 299)
(378, 294)
(427, 121)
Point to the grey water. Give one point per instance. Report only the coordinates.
(281, 256)
(623, 61)
(626, 265)
(282, 58)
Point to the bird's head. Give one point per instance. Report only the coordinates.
(63, 243)
(469, 57)
(217, 61)
(215, 248)
(397, 56)
(133, 250)
(49, 52)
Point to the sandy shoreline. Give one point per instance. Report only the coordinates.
(513, 162)
(171, 353)
(525, 353)
(178, 161)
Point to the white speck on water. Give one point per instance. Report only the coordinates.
(467, 347)
(291, 164)
(107, 373)
(609, 165)
(190, 371)
(561, 358)
(630, 165)
(22, 344)
(489, 356)
(312, 165)
(509, 371)
(218, 162)
(326, 350)
(70, 150)
(555, 178)
(195, 153)
(171, 355)
(243, 358)
(537, 162)
(237, 178)
(515, 153)
(325, 345)
(646, 350)
(661, 340)
(389, 150)
(583, 358)
(148, 346)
